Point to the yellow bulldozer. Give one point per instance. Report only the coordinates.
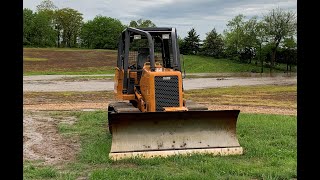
(151, 117)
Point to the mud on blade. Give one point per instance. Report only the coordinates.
(163, 131)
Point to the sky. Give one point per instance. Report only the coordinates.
(203, 15)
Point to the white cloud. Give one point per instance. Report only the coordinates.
(203, 15)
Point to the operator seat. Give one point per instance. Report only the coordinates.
(143, 56)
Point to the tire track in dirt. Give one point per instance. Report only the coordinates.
(42, 141)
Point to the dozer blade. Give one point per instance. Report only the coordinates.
(167, 133)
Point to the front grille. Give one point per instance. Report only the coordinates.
(166, 92)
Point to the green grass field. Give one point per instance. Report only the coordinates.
(269, 142)
(203, 64)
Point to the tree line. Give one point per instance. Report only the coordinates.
(267, 41)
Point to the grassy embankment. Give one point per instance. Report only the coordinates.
(44, 61)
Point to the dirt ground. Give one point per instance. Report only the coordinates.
(71, 60)
(41, 138)
(42, 142)
(256, 109)
(87, 106)
(63, 101)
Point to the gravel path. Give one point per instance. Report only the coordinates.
(56, 83)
